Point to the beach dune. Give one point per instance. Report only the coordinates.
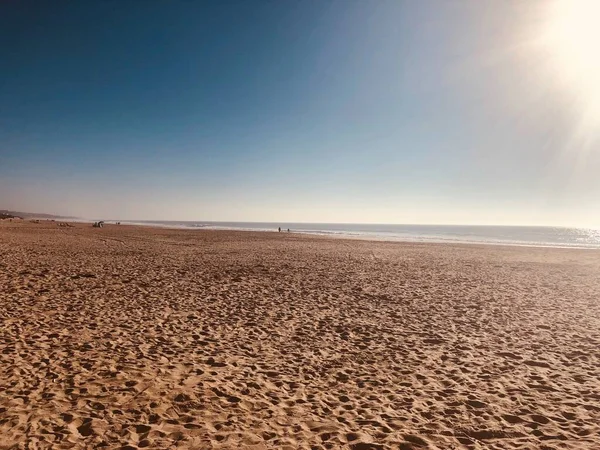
(138, 337)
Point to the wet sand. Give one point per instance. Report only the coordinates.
(129, 337)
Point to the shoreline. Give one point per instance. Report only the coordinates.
(345, 236)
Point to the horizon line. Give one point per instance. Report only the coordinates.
(41, 215)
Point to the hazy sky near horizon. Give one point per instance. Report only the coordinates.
(472, 112)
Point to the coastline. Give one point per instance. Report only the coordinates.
(364, 236)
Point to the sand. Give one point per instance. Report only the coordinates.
(128, 337)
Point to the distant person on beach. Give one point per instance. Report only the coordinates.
(279, 229)
(288, 230)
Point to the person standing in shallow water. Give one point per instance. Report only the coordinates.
(279, 229)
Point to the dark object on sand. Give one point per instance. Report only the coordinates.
(7, 215)
(98, 224)
(279, 229)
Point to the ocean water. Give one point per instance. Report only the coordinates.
(506, 235)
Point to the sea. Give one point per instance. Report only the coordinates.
(469, 234)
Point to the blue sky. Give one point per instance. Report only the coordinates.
(318, 111)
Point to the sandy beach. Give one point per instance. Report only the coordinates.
(131, 337)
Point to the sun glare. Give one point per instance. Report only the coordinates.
(572, 38)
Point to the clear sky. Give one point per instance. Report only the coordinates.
(468, 112)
